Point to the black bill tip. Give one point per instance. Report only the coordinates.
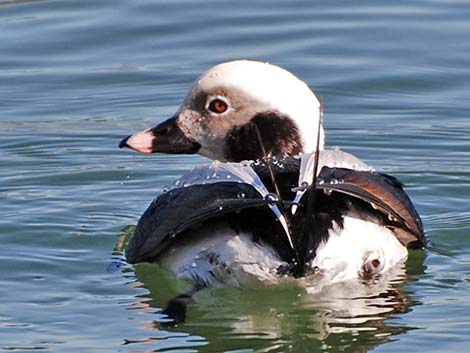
(123, 142)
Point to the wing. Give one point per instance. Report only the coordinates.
(382, 192)
(216, 189)
(174, 212)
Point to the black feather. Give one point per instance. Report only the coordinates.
(373, 196)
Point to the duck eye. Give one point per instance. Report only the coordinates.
(218, 106)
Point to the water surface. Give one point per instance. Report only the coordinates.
(75, 77)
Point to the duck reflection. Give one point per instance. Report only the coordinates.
(295, 315)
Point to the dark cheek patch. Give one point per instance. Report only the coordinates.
(278, 132)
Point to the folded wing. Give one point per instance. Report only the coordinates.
(384, 193)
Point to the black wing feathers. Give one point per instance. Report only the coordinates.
(172, 213)
(170, 216)
(385, 193)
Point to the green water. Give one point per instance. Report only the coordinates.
(76, 76)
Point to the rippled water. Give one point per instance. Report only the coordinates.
(77, 76)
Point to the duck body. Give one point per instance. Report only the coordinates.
(223, 224)
(249, 217)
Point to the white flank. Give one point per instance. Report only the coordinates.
(358, 244)
(219, 256)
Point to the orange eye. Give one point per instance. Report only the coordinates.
(218, 106)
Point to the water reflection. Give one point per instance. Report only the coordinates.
(347, 317)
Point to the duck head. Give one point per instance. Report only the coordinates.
(230, 108)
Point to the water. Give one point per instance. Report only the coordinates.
(76, 76)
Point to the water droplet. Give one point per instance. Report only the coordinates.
(165, 189)
(193, 264)
(241, 195)
(321, 181)
(172, 235)
(220, 208)
(229, 176)
(271, 197)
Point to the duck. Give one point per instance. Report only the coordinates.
(273, 204)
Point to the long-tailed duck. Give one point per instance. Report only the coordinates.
(269, 206)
